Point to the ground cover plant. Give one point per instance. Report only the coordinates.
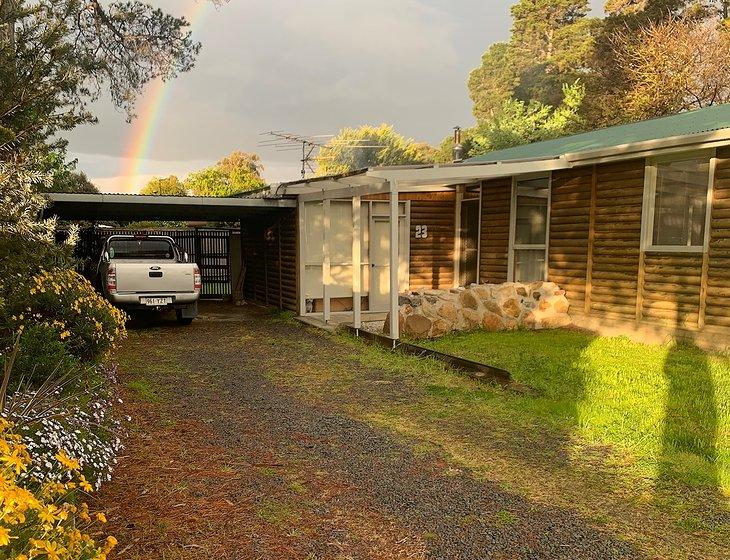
(667, 405)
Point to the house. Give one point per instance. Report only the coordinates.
(633, 221)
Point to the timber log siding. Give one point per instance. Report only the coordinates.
(594, 252)
(432, 258)
(269, 251)
(496, 196)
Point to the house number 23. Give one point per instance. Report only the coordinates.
(421, 232)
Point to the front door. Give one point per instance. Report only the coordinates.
(469, 242)
(379, 298)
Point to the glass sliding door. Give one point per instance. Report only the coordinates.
(530, 229)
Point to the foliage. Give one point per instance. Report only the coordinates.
(44, 520)
(165, 186)
(63, 300)
(235, 174)
(674, 66)
(26, 241)
(56, 55)
(517, 122)
(64, 176)
(68, 413)
(42, 356)
(550, 45)
(370, 146)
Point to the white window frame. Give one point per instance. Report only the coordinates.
(649, 203)
(513, 225)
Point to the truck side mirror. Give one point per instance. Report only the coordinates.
(186, 258)
(106, 256)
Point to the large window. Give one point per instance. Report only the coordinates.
(530, 229)
(678, 194)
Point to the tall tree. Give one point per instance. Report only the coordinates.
(674, 66)
(235, 174)
(550, 45)
(371, 146)
(517, 122)
(56, 55)
(164, 186)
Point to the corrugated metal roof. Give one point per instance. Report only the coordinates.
(683, 124)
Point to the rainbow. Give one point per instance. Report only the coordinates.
(151, 110)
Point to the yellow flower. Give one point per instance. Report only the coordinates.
(100, 517)
(4, 536)
(68, 462)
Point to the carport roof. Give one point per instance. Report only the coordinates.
(124, 207)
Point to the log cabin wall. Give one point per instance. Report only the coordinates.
(269, 250)
(571, 217)
(432, 257)
(716, 288)
(496, 197)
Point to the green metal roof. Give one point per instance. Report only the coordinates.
(683, 124)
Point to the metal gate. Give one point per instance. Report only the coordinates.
(209, 248)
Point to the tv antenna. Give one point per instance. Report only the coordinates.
(309, 146)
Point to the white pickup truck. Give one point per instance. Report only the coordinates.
(149, 272)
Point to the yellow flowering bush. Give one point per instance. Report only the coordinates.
(63, 300)
(44, 520)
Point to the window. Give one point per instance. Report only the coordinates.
(530, 229)
(678, 194)
(157, 249)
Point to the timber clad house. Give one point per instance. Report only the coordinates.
(632, 221)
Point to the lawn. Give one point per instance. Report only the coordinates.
(667, 407)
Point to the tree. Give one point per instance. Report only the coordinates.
(674, 66)
(517, 122)
(550, 45)
(370, 146)
(165, 186)
(56, 55)
(233, 175)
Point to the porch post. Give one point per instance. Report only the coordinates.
(301, 252)
(394, 260)
(356, 266)
(326, 280)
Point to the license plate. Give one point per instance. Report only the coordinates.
(155, 300)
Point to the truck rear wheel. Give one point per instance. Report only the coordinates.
(182, 320)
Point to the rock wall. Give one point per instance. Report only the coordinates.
(433, 313)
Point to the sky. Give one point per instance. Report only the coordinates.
(307, 67)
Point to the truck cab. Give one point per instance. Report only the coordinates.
(149, 272)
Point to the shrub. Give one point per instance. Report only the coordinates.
(65, 301)
(44, 520)
(70, 414)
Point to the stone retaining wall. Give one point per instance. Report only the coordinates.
(433, 313)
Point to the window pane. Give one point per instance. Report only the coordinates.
(531, 215)
(529, 265)
(681, 202)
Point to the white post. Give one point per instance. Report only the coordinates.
(326, 280)
(394, 260)
(356, 266)
(302, 250)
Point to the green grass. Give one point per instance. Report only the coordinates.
(668, 406)
(144, 389)
(276, 512)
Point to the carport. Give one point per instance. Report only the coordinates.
(260, 266)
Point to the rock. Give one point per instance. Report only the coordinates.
(561, 306)
(555, 321)
(512, 308)
(472, 318)
(492, 307)
(418, 326)
(447, 311)
(529, 321)
(440, 327)
(521, 291)
(492, 322)
(468, 299)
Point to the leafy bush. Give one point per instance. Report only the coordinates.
(65, 301)
(43, 355)
(44, 520)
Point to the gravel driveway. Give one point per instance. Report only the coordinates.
(301, 480)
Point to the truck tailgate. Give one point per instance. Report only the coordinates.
(157, 278)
